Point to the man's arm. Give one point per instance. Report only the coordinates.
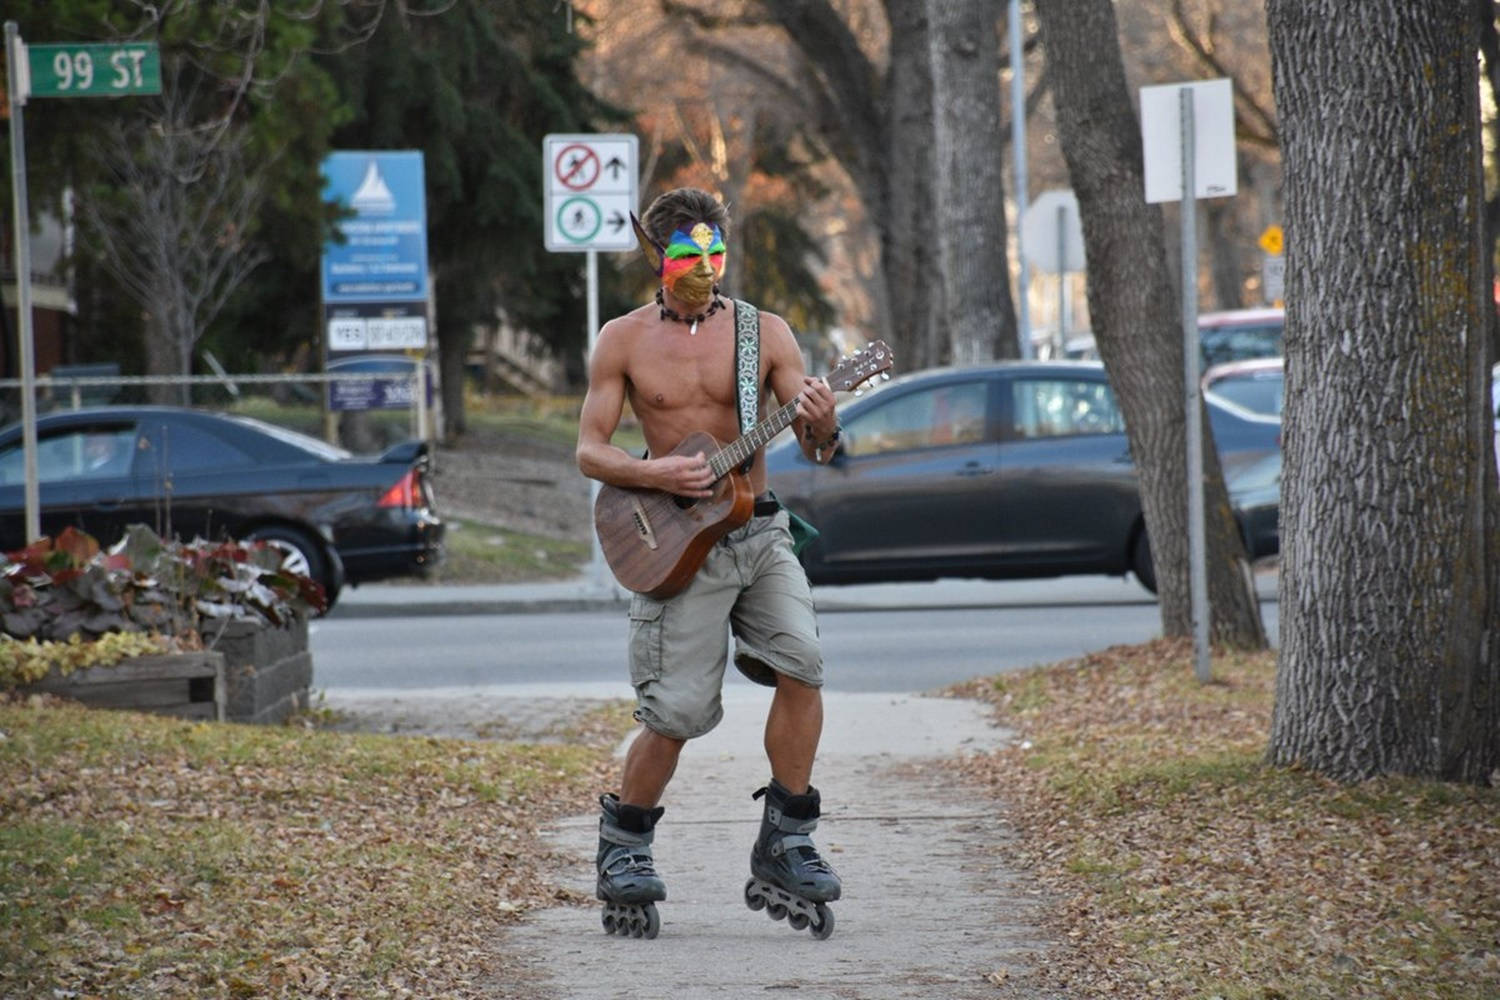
(815, 422)
(684, 475)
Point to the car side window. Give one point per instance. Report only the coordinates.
(944, 415)
(73, 455)
(187, 449)
(1062, 407)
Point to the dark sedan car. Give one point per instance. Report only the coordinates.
(340, 518)
(1007, 470)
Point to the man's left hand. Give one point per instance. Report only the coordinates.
(815, 406)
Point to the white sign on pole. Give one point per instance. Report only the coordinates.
(1273, 278)
(590, 191)
(1214, 172)
(1052, 232)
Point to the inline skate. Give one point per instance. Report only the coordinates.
(789, 879)
(628, 883)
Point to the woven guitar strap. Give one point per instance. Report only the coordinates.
(747, 368)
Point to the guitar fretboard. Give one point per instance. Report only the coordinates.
(731, 455)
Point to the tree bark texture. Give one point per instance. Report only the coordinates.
(979, 320)
(907, 198)
(879, 124)
(1137, 319)
(1388, 585)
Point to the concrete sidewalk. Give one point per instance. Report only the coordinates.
(588, 592)
(930, 908)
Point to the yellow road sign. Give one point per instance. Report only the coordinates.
(1271, 241)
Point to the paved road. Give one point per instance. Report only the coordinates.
(902, 637)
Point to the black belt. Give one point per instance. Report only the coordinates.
(767, 506)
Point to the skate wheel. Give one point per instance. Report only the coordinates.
(776, 911)
(653, 922)
(608, 920)
(753, 899)
(798, 921)
(823, 926)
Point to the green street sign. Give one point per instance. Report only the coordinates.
(102, 69)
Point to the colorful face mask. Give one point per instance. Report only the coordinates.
(691, 263)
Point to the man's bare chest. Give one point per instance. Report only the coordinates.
(683, 372)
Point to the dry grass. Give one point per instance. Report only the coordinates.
(1187, 868)
(142, 856)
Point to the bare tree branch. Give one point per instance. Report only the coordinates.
(1257, 124)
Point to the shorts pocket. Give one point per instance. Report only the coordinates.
(645, 640)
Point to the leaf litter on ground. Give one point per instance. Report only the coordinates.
(1183, 866)
(144, 856)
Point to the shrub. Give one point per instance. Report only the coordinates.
(57, 588)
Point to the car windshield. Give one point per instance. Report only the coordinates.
(296, 439)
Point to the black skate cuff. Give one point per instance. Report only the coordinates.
(637, 819)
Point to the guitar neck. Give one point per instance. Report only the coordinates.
(732, 455)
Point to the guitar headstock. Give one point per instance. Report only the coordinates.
(875, 359)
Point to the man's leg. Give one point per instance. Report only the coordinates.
(649, 764)
(793, 728)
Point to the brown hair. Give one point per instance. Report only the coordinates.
(680, 208)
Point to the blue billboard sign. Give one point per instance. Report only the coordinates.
(384, 254)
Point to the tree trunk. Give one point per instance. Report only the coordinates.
(906, 203)
(1389, 548)
(1224, 253)
(454, 340)
(979, 321)
(1137, 319)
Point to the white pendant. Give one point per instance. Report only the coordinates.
(693, 330)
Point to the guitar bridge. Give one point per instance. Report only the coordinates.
(642, 523)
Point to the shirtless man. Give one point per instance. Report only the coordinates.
(674, 362)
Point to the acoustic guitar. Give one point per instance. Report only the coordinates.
(655, 541)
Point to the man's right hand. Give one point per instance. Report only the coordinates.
(684, 475)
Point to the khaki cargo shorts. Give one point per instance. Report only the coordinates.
(750, 585)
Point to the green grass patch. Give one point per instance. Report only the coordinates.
(480, 553)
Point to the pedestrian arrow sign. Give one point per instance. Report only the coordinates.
(590, 191)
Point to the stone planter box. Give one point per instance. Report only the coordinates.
(267, 671)
(186, 685)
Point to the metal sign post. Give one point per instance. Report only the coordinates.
(1018, 147)
(1197, 542)
(1200, 118)
(590, 192)
(73, 70)
(15, 53)
(1052, 234)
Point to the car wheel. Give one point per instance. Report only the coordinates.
(1140, 561)
(300, 554)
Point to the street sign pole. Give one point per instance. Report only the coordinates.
(1187, 135)
(1018, 146)
(590, 191)
(599, 572)
(1197, 540)
(16, 64)
(87, 70)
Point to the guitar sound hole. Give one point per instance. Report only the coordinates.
(684, 503)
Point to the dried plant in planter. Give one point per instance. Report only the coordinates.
(56, 588)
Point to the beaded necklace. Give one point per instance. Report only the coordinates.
(692, 321)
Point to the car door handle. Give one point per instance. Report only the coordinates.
(975, 469)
